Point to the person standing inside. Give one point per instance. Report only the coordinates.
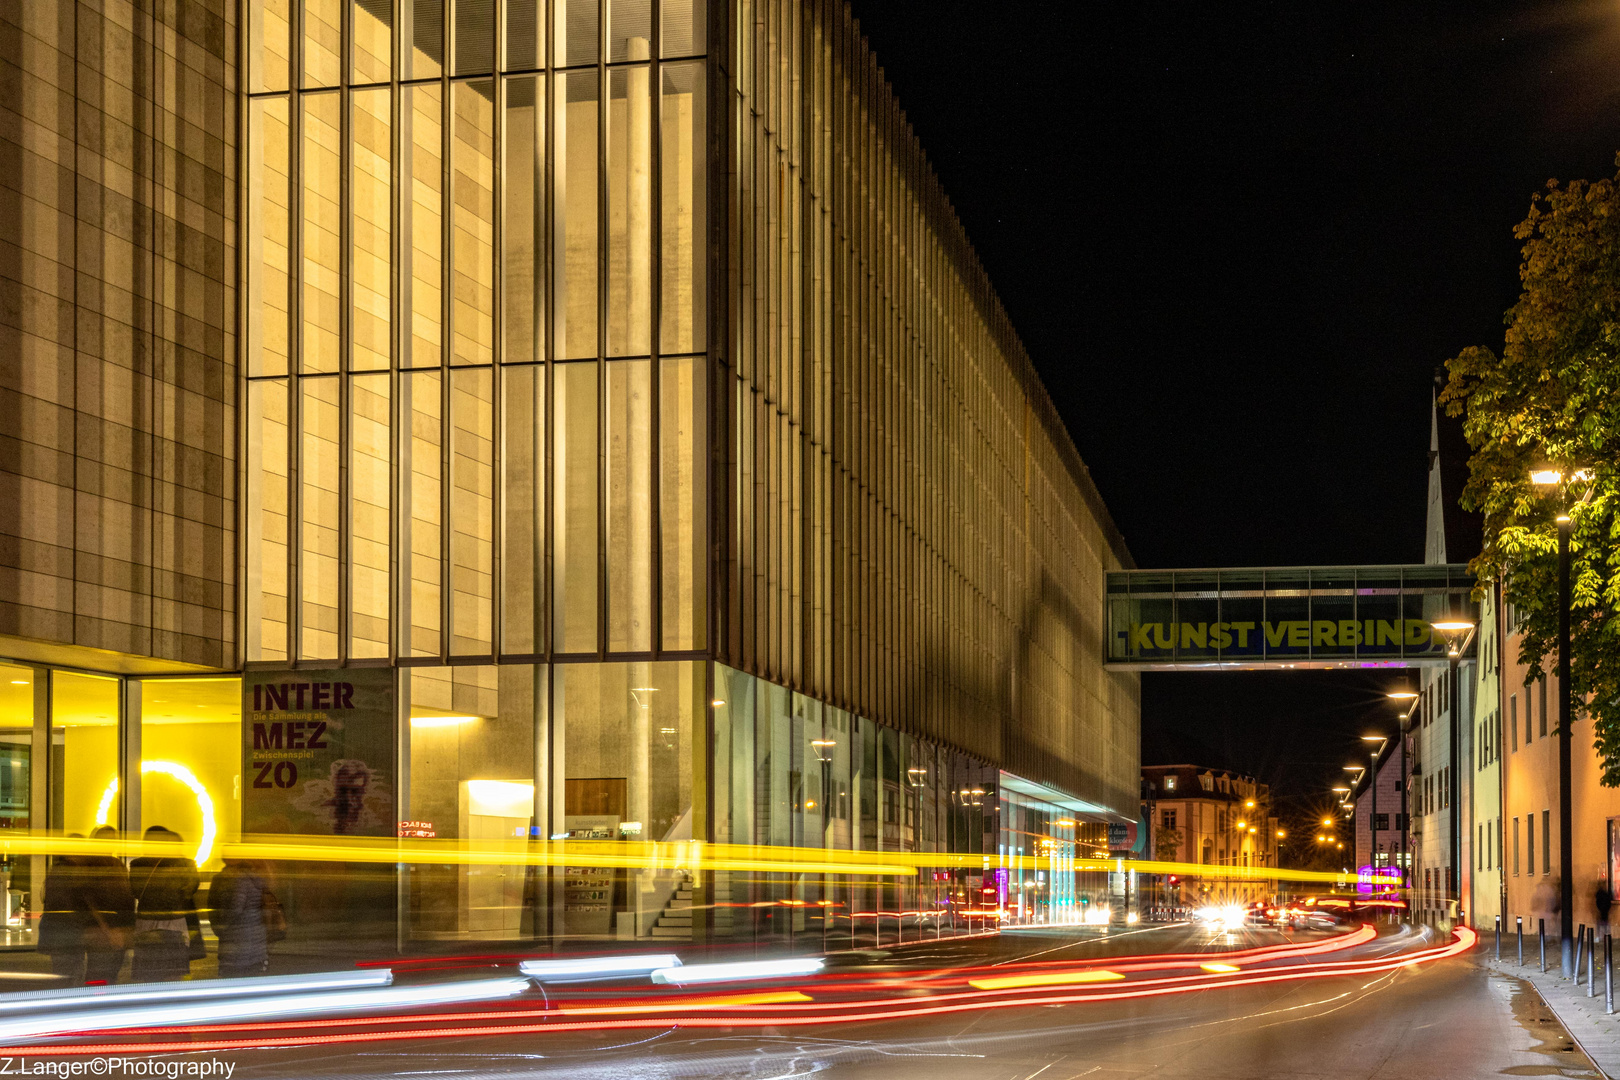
(237, 900)
(165, 890)
(62, 922)
(109, 912)
(1604, 900)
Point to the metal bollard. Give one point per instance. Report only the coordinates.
(1518, 923)
(1580, 950)
(1608, 975)
(1499, 939)
(1541, 932)
(1591, 962)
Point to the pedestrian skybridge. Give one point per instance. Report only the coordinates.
(1287, 617)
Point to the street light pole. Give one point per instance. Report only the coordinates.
(1566, 816)
(1566, 839)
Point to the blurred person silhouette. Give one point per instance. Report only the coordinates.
(166, 918)
(1603, 900)
(109, 911)
(62, 920)
(246, 917)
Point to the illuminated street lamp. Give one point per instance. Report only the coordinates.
(1554, 478)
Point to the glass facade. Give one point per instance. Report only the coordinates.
(477, 298)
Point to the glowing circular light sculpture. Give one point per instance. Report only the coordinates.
(205, 802)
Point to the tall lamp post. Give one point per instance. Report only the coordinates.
(1372, 812)
(1566, 827)
(1344, 801)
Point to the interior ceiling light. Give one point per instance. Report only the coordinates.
(440, 721)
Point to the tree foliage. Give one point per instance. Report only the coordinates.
(1552, 399)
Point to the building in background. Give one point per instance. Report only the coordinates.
(1211, 817)
(593, 416)
(1378, 835)
(1436, 780)
(1484, 884)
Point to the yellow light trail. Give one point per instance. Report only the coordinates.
(690, 855)
(1059, 978)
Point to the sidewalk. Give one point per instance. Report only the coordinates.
(1594, 1031)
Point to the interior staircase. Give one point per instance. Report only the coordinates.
(675, 922)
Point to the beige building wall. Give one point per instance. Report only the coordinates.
(117, 329)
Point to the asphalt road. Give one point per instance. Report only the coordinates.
(1444, 1020)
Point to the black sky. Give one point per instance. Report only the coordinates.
(1238, 240)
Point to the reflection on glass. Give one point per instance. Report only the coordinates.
(323, 40)
(268, 35)
(523, 500)
(267, 254)
(576, 215)
(683, 500)
(472, 777)
(84, 753)
(472, 286)
(472, 510)
(525, 34)
(575, 36)
(423, 473)
(191, 761)
(475, 37)
(423, 223)
(629, 29)
(574, 526)
(626, 756)
(371, 209)
(424, 30)
(369, 510)
(523, 309)
(318, 469)
(629, 207)
(683, 288)
(322, 186)
(629, 505)
(267, 535)
(16, 799)
(16, 745)
(684, 27)
(373, 29)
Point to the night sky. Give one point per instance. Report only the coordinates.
(1238, 241)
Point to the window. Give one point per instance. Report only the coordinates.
(1479, 847)
(1380, 822)
(1169, 783)
(1546, 841)
(1207, 782)
(1169, 819)
(1515, 847)
(1541, 693)
(1530, 845)
(1513, 717)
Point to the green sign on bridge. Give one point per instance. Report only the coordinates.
(1300, 617)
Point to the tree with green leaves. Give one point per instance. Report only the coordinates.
(1551, 402)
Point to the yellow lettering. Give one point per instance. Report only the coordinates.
(1161, 639)
(1299, 634)
(1194, 635)
(1324, 632)
(1275, 632)
(1349, 632)
(1389, 633)
(1219, 637)
(1139, 637)
(1242, 629)
(1417, 632)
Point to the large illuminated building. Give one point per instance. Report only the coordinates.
(605, 394)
